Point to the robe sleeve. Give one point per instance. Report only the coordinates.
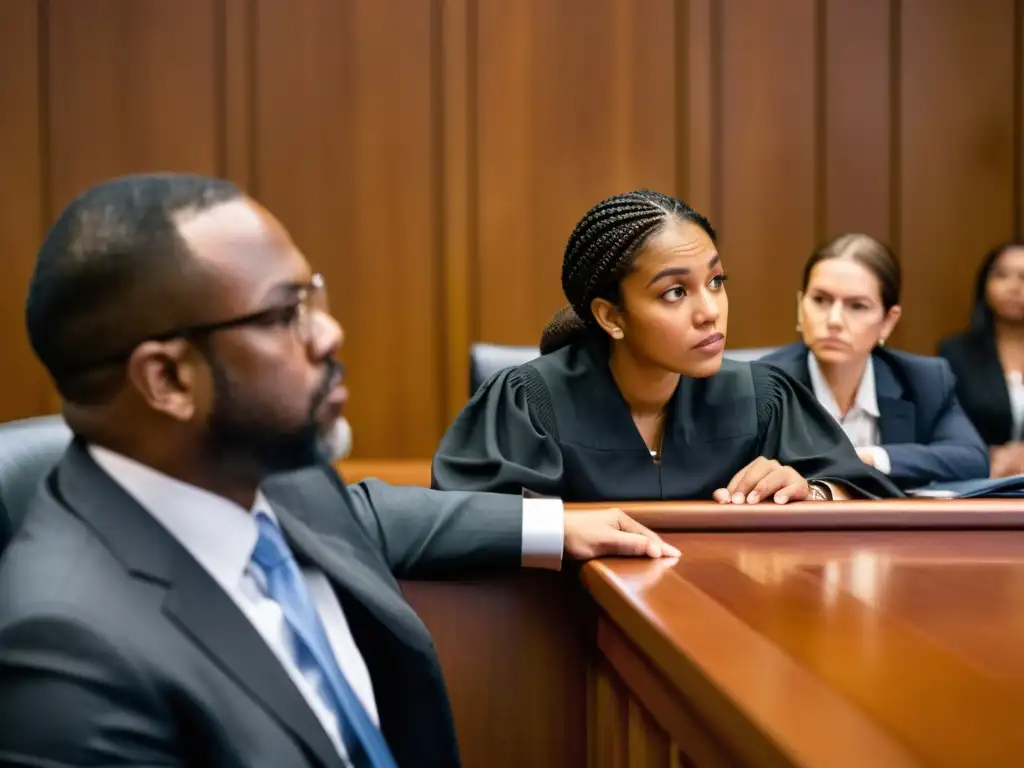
(505, 440)
(797, 431)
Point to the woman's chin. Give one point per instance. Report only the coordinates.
(703, 368)
(833, 355)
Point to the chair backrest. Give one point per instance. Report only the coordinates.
(485, 360)
(29, 449)
(749, 353)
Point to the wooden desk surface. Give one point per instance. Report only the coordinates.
(835, 649)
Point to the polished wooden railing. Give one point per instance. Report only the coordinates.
(832, 648)
(825, 635)
(854, 515)
(815, 647)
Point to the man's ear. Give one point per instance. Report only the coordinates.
(165, 377)
(609, 318)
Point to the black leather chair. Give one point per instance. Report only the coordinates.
(485, 360)
(29, 448)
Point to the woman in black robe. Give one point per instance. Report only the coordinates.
(631, 398)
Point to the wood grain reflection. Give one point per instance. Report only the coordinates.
(880, 648)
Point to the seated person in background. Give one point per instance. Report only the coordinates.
(193, 584)
(899, 410)
(631, 398)
(988, 359)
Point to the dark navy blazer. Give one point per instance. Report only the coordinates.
(921, 425)
(981, 385)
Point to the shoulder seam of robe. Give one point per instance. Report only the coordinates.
(538, 398)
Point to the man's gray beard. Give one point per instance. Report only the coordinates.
(338, 440)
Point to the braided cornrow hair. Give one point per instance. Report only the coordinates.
(602, 250)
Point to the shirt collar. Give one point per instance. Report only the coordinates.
(867, 396)
(218, 533)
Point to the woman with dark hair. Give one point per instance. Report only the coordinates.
(988, 359)
(631, 398)
(899, 410)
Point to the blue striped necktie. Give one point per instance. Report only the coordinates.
(286, 586)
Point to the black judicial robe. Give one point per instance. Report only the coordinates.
(558, 426)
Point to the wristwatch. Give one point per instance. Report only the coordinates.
(820, 491)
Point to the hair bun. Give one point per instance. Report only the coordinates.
(565, 328)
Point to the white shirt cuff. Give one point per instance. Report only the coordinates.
(543, 533)
(881, 458)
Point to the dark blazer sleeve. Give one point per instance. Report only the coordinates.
(69, 697)
(955, 451)
(797, 431)
(504, 440)
(424, 533)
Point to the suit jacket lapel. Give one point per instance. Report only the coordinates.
(392, 639)
(897, 421)
(199, 606)
(992, 380)
(792, 359)
(194, 601)
(350, 571)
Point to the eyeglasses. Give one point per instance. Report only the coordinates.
(299, 315)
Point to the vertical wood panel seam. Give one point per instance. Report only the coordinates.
(1018, 98)
(895, 126)
(49, 401)
(43, 106)
(252, 28)
(472, 169)
(717, 106)
(591, 720)
(439, 251)
(684, 177)
(220, 86)
(454, 63)
(821, 122)
(236, 91)
(249, 115)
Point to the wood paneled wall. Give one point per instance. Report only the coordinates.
(432, 156)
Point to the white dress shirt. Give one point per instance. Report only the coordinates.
(221, 536)
(1015, 386)
(860, 422)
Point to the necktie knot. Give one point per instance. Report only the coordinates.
(271, 550)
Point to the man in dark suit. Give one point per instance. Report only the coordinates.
(193, 584)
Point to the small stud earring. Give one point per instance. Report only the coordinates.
(617, 333)
(881, 342)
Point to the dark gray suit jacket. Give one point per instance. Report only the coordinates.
(117, 648)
